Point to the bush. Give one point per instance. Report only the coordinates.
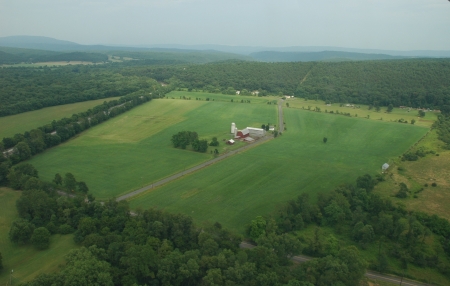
(41, 238)
(434, 185)
(65, 229)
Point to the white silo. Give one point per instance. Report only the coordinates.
(233, 128)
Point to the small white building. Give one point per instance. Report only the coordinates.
(385, 167)
(238, 92)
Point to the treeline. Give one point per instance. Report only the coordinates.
(365, 218)
(26, 89)
(29, 56)
(153, 247)
(416, 83)
(21, 147)
(443, 129)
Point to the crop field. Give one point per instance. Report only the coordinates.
(255, 182)
(26, 261)
(363, 111)
(19, 123)
(134, 149)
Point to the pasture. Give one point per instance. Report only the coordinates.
(19, 123)
(419, 176)
(26, 261)
(363, 111)
(255, 182)
(134, 149)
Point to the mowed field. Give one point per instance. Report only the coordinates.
(134, 149)
(363, 111)
(255, 182)
(19, 123)
(26, 261)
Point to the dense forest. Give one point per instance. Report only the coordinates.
(416, 83)
(33, 56)
(364, 218)
(419, 83)
(153, 247)
(26, 89)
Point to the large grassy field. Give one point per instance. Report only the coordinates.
(363, 111)
(255, 182)
(134, 149)
(19, 123)
(26, 261)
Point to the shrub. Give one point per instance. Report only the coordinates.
(65, 229)
(41, 238)
(434, 185)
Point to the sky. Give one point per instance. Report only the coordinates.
(366, 24)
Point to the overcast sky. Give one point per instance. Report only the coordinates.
(376, 24)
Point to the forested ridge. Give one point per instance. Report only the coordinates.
(26, 89)
(34, 56)
(416, 83)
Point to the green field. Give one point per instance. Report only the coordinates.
(363, 111)
(26, 261)
(220, 97)
(134, 149)
(19, 123)
(253, 183)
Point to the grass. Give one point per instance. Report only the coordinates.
(26, 261)
(363, 111)
(220, 97)
(19, 123)
(236, 190)
(134, 149)
(416, 174)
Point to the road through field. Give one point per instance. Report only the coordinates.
(370, 274)
(193, 169)
(208, 163)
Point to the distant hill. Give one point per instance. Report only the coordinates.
(17, 55)
(318, 56)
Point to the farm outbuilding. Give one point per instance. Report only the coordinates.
(385, 167)
(256, 132)
(230, 142)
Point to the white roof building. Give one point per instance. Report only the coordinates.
(385, 166)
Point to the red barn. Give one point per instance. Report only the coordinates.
(243, 133)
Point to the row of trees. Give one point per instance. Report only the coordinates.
(365, 218)
(21, 147)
